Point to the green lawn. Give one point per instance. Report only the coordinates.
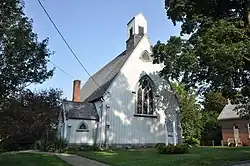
(197, 156)
(28, 159)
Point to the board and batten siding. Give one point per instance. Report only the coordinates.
(125, 128)
(79, 137)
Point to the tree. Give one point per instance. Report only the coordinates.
(216, 57)
(213, 104)
(193, 13)
(23, 59)
(190, 112)
(30, 115)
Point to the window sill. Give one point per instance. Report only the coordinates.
(146, 116)
(79, 130)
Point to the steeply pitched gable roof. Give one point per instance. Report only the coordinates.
(228, 112)
(104, 77)
(79, 110)
(91, 92)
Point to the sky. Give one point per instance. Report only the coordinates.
(95, 29)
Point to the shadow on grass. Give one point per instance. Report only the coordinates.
(29, 159)
(196, 156)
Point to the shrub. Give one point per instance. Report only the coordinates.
(45, 145)
(16, 143)
(95, 147)
(72, 148)
(171, 149)
(55, 143)
(159, 144)
(161, 148)
(192, 141)
(60, 143)
(181, 149)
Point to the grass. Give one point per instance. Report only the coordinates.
(28, 159)
(196, 156)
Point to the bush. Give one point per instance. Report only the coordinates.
(171, 149)
(60, 143)
(84, 148)
(72, 148)
(95, 147)
(159, 144)
(192, 141)
(44, 145)
(16, 143)
(56, 143)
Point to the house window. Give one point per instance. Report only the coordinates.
(145, 99)
(131, 32)
(82, 127)
(141, 30)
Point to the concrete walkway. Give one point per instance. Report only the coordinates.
(244, 163)
(72, 159)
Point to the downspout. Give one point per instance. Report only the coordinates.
(65, 122)
(107, 126)
(166, 131)
(100, 126)
(101, 141)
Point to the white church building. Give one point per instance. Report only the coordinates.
(126, 102)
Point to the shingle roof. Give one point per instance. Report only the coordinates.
(80, 110)
(228, 112)
(104, 77)
(91, 92)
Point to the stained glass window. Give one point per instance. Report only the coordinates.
(145, 100)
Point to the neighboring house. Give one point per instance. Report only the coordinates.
(233, 126)
(126, 102)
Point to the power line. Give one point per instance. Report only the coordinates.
(71, 50)
(61, 69)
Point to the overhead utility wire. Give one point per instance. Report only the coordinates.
(71, 50)
(60, 69)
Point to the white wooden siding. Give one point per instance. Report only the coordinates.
(76, 137)
(125, 128)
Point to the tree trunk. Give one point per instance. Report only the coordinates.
(246, 9)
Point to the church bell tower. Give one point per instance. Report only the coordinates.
(136, 29)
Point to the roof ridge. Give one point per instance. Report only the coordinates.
(109, 63)
(105, 76)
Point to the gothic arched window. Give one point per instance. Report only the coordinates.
(145, 56)
(82, 127)
(145, 97)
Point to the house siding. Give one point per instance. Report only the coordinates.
(227, 130)
(76, 137)
(125, 128)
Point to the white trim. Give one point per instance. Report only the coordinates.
(166, 131)
(174, 132)
(248, 129)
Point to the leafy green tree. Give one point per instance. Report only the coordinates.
(190, 112)
(194, 13)
(29, 115)
(216, 57)
(23, 59)
(213, 104)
